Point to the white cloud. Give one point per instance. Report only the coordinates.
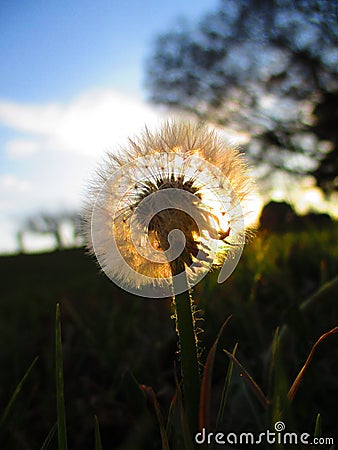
(97, 120)
(57, 147)
(18, 148)
(9, 181)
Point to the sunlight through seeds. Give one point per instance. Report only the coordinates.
(172, 199)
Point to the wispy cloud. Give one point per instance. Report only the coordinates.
(55, 146)
(13, 182)
(91, 122)
(18, 148)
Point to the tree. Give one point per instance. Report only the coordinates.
(326, 113)
(45, 223)
(266, 67)
(64, 226)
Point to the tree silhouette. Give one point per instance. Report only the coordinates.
(266, 67)
(54, 224)
(326, 128)
(45, 223)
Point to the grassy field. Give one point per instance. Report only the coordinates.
(112, 341)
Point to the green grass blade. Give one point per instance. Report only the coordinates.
(326, 292)
(225, 391)
(249, 380)
(49, 438)
(170, 423)
(318, 426)
(98, 443)
(16, 392)
(279, 407)
(188, 443)
(60, 401)
(205, 399)
(151, 397)
(295, 385)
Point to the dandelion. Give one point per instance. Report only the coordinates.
(179, 191)
(164, 210)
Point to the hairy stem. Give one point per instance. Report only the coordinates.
(185, 325)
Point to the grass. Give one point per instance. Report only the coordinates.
(60, 398)
(112, 342)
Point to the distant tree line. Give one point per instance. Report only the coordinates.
(64, 227)
(280, 216)
(266, 67)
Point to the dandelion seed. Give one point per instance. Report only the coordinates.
(169, 204)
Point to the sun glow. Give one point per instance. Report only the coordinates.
(157, 212)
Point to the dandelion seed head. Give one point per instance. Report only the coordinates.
(169, 203)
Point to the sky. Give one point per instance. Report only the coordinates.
(71, 87)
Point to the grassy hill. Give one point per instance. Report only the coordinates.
(112, 341)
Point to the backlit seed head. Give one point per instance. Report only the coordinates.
(169, 204)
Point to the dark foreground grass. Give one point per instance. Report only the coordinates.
(112, 341)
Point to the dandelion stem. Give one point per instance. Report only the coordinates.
(185, 326)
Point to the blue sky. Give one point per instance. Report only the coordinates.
(71, 87)
(54, 49)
